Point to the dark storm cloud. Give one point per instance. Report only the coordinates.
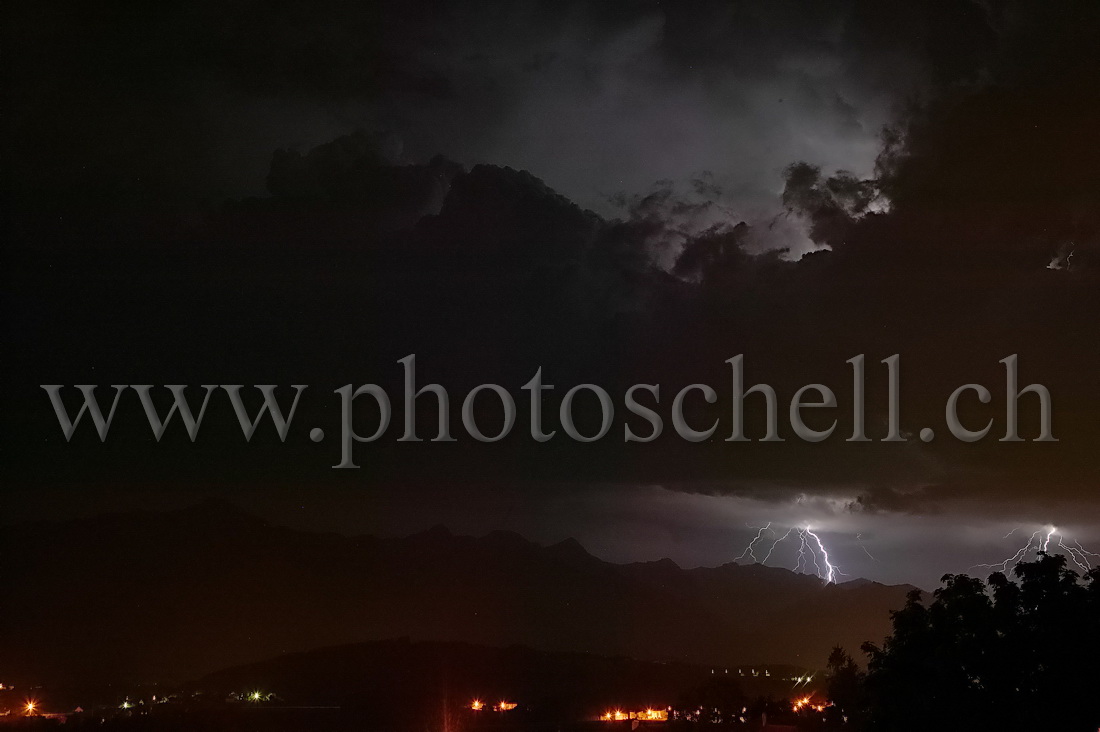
(602, 99)
(975, 238)
(597, 98)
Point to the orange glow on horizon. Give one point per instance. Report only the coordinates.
(805, 703)
(646, 715)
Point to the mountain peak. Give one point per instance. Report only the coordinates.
(571, 548)
(439, 531)
(434, 584)
(506, 539)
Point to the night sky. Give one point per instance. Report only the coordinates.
(633, 192)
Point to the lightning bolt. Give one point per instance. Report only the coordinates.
(1040, 543)
(831, 570)
(759, 535)
(768, 556)
(812, 558)
(802, 548)
(859, 541)
(1017, 557)
(1078, 554)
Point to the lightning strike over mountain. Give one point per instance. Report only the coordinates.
(831, 570)
(759, 535)
(812, 557)
(1040, 543)
(768, 555)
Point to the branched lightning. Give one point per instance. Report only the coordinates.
(812, 558)
(1078, 554)
(803, 548)
(1040, 543)
(758, 537)
(1016, 558)
(831, 570)
(768, 555)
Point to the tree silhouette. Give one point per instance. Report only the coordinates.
(1011, 655)
(846, 691)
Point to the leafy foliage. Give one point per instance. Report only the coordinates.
(1004, 655)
